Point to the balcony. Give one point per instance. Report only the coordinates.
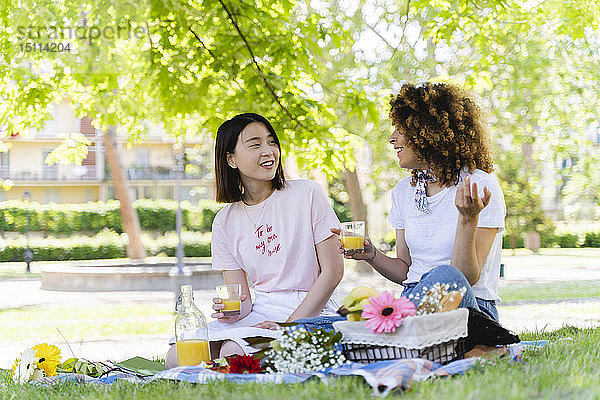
(155, 174)
(68, 174)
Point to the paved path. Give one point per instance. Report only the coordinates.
(18, 293)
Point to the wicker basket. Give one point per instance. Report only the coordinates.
(439, 337)
(441, 353)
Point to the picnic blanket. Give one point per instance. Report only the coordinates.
(382, 376)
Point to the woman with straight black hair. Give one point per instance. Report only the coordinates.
(228, 179)
(274, 234)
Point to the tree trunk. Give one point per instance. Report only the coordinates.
(532, 238)
(359, 211)
(513, 243)
(129, 217)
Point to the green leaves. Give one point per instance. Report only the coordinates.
(322, 73)
(164, 59)
(73, 150)
(81, 366)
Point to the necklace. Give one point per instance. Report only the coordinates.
(259, 215)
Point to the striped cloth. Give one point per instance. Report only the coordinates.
(382, 376)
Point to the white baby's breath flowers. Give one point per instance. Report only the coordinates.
(432, 300)
(301, 351)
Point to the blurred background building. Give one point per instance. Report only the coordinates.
(149, 165)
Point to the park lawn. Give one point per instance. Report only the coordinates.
(551, 291)
(566, 369)
(84, 322)
(76, 322)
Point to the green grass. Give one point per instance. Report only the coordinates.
(518, 292)
(90, 322)
(74, 322)
(353, 388)
(14, 272)
(567, 369)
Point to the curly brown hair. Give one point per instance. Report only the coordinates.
(444, 127)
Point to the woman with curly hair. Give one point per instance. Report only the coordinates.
(447, 230)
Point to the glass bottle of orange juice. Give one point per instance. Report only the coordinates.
(191, 331)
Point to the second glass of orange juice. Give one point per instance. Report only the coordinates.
(353, 237)
(230, 296)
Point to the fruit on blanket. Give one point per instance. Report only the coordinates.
(93, 369)
(359, 306)
(356, 300)
(355, 316)
(358, 294)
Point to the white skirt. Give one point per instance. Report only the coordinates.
(276, 307)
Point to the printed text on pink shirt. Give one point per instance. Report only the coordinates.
(267, 240)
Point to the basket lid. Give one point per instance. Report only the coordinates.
(416, 332)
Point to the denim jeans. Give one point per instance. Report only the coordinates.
(450, 275)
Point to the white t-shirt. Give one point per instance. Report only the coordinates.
(279, 254)
(430, 237)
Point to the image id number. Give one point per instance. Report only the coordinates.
(48, 47)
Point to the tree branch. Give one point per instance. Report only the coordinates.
(258, 69)
(202, 43)
(213, 55)
(372, 28)
(149, 37)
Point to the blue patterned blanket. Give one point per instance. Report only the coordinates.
(382, 376)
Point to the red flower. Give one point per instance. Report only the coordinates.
(244, 365)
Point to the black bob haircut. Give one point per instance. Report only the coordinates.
(228, 181)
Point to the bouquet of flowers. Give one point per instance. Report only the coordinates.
(302, 351)
(35, 363)
(439, 298)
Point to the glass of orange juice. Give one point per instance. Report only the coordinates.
(230, 296)
(353, 237)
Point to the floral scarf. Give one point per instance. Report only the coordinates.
(423, 178)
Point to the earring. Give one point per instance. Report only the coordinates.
(233, 165)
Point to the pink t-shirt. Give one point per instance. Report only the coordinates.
(279, 254)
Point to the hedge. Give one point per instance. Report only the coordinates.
(93, 217)
(592, 240)
(565, 240)
(112, 245)
(101, 246)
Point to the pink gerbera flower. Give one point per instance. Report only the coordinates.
(385, 312)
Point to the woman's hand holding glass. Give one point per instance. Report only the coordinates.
(219, 305)
(367, 255)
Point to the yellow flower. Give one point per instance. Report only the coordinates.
(49, 358)
(14, 367)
